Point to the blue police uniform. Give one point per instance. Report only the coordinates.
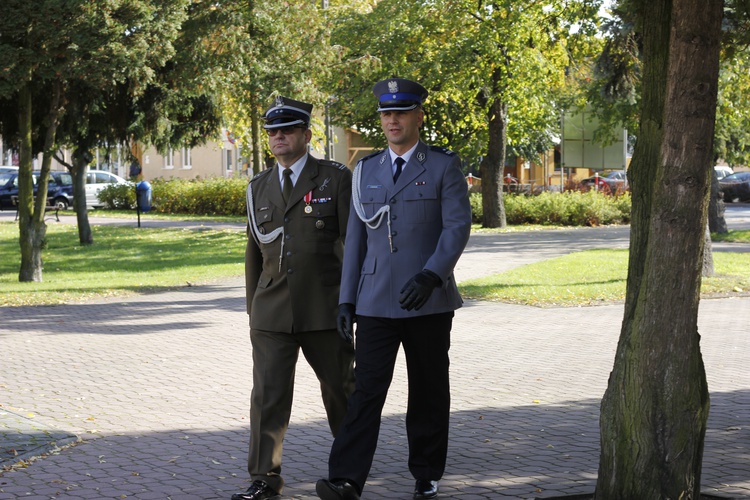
(419, 223)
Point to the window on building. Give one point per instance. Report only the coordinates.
(187, 158)
(169, 158)
(228, 158)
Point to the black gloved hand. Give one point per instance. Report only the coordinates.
(418, 289)
(345, 322)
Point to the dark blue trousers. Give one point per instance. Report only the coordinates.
(426, 341)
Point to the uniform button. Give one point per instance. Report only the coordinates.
(290, 271)
(394, 217)
(394, 233)
(287, 236)
(289, 254)
(393, 200)
(286, 219)
(395, 249)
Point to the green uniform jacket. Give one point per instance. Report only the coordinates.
(295, 286)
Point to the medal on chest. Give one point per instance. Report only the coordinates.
(308, 199)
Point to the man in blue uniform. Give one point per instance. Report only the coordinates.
(409, 223)
(297, 213)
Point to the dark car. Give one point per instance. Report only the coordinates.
(59, 189)
(736, 187)
(613, 182)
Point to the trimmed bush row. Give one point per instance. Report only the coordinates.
(226, 196)
(571, 208)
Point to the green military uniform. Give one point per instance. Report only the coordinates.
(293, 274)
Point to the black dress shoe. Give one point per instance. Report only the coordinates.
(425, 489)
(336, 490)
(259, 490)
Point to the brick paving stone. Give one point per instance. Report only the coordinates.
(158, 388)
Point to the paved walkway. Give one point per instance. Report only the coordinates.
(157, 389)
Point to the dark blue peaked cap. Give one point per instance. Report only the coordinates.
(398, 94)
(285, 112)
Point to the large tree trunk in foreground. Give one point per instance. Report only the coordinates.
(655, 409)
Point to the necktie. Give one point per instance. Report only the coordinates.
(399, 164)
(286, 191)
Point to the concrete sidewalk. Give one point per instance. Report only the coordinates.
(158, 386)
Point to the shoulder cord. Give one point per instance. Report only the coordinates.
(377, 219)
(257, 235)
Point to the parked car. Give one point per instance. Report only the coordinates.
(722, 171)
(96, 180)
(62, 196)
(8, 168)
(736, 187)
(616, 181)
(59, 188)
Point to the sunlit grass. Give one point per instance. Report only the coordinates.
(732, 236)
(122, 261)
(592, 277)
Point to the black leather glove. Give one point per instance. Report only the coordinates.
(345, 322)
(418, 289)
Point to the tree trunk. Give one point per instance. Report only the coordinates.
(81, 159)
(655, 408)
(491, 167)
(255, 131)
(716, 208)
(708, 255)
(30, 232)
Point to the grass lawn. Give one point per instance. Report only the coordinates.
(592, 277)
(128, 260)
(122, 261)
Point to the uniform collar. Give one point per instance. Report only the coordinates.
(406, 156)
(296, 167)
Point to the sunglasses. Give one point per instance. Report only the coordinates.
(284, 130)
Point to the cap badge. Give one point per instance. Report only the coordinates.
(279, 101)
(393, 86)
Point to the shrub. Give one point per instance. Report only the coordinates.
(118, 196)
(212, 196)
(571, 208)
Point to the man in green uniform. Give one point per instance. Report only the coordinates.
(297, 213)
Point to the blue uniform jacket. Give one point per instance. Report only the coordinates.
(430, 222)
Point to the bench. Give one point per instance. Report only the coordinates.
(51, 205)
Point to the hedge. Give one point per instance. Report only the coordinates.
(226, 196)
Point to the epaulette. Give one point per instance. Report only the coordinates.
(261, 174)
(334, 164)
(376, 153)
(440, 149)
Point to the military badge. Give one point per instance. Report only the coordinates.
(393, 86)
(421, 157)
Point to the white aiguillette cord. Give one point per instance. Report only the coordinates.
(257, 235)
(377, 219)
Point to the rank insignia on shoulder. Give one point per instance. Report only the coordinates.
(440, 149)
(333, 164)
(260, 174)
(376, 153)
